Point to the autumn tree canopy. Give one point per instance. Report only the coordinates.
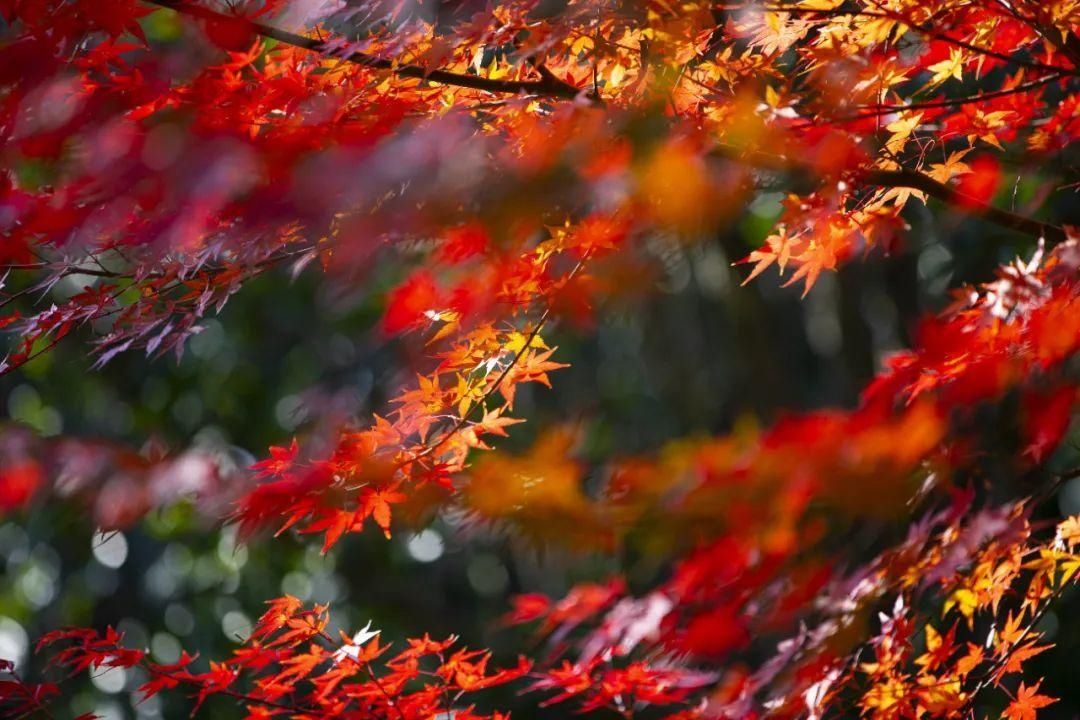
(491, 176)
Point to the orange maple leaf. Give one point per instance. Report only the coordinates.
(1027, 702)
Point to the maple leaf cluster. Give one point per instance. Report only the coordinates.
(290, 665)
(516, 169)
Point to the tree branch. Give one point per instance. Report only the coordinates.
(905, 178)
(954, 198)
(548, 85)
(926, 31)
(865, 112)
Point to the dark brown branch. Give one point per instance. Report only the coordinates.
(914, 180)
(548, 85)
(946, 38)
(866, 112)
(1068, 43)
(965, 203)
(926, 31)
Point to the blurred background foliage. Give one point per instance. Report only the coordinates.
(698, 354)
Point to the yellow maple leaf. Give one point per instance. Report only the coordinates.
(1070, 564)
(953, 67)
(901, 130)
(1068, 531)
(952, 167)
(963, 600)
(820, 4)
